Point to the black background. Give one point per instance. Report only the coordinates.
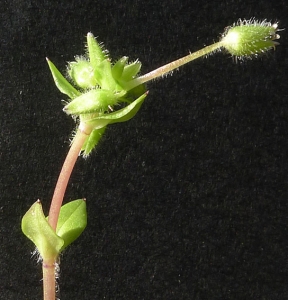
(188, 200)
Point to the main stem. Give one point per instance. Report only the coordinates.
(173, 65)
(48, 267)
(64, 177)
(49, 284)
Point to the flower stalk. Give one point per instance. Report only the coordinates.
(244, 39)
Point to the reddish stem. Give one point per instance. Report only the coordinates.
(64, 177)
(48, 268)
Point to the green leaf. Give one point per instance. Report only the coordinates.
(121, 115)
(92, 141)
(72, 221)
(35, 226)
(62, 84)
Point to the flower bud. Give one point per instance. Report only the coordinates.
(82, 73)
(250, 37)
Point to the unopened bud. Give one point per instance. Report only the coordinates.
(82, 73)
(250, 37)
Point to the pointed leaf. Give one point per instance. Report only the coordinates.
(35, 226)
(62, 84)
(92, 141)
(72, 221)
(121, 115)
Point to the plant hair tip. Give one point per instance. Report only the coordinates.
(90, 35)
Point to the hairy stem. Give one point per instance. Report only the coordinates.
(173, 65)
(48, 268)
(64, 177)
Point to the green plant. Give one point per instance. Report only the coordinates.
(107, 93)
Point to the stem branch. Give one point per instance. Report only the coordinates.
(173, 65)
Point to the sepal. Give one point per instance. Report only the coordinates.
(103, 75)
(118, 68)
(96, 53)
(131, 70)
(97, 100)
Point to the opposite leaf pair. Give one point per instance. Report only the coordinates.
(72, 221)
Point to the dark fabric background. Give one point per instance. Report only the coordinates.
(186, 201)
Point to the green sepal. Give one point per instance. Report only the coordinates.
(118, 67)
(72, 221)
(103, 75)
(92, 141)
(95, 51)
(121, 115)
(35, 226)
(97, 100)
(130, 71)
(62, 84)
